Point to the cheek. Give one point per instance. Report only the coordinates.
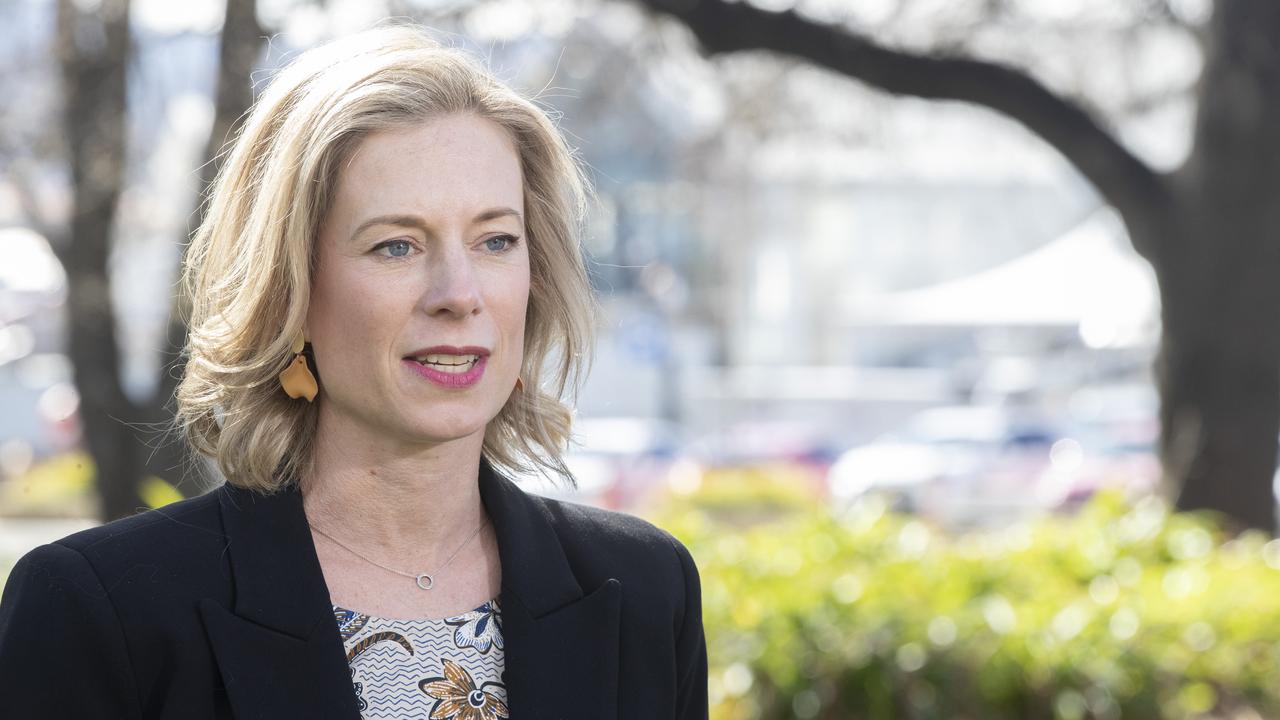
(507, 289)
(515, 306)
(520, 304)
(327, 311)
(346, 308)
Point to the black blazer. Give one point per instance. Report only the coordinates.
(216, 607)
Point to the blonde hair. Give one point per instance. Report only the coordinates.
(249, 265)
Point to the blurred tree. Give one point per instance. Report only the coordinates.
(238, 50)
(93, 50)
(1209, 227)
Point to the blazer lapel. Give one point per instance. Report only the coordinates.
(281, 655)
(278, 648)
(561, 645)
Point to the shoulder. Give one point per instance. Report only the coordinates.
(174, 528)
(661, 586)
(608, 530)
(603, 543)
(160, 545)
(108, 605)
(56, 615)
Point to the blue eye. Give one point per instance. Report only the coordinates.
(510, 241)
(396, 246)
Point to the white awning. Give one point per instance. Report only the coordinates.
(1089, 277)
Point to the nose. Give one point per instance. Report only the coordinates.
(452, 287)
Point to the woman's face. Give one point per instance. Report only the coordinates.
(424, 246)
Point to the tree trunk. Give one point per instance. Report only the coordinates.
(240, 44)
(1219, 270)
(92, 51)
(1218, 369)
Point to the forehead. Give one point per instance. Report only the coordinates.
(454, 163)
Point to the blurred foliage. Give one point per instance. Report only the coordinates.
(751, 494)
(62, 486)
(1121, 611)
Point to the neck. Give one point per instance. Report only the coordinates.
(392, 503)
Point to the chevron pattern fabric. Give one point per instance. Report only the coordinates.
(445, 669)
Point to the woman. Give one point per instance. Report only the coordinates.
(389, 258)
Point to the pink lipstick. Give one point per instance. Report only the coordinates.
(446, 379)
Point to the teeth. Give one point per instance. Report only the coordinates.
(450, 369)
(449, 362)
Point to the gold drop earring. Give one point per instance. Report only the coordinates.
(297, 379)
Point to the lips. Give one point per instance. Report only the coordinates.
(448, 354)
(449, 357)
(455, 376)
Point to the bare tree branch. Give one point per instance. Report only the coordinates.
(1122, 178)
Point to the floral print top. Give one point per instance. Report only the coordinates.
(449, 669)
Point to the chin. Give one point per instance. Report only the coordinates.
(439, 429)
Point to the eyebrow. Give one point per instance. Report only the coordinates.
(416, 221)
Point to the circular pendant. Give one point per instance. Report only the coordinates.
(430, 581)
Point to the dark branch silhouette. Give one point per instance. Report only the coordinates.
(1122, 178)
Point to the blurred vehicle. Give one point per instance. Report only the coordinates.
(34, 375)
(932, 445)
(985, 465)
(1118, 425)
(616, 461)
(1115, 458)
(799, 452)
(762, 442)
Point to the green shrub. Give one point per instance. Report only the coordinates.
(1118, 612)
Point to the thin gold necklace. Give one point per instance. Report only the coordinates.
(417, 577)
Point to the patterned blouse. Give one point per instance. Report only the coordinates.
(448, 669)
